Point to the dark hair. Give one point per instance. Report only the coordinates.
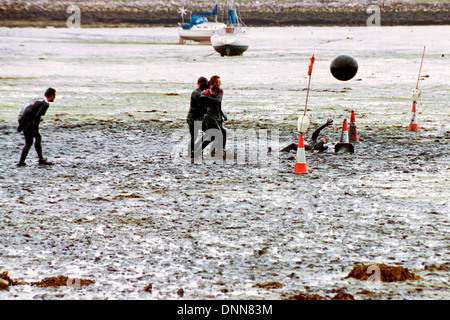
(49, 92)
(203, 82)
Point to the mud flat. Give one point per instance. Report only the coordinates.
(118, 209)
(123, 208)
(259, 13)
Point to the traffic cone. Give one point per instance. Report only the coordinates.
(353, 133)
(413, 125)
(344, 145)
(300, 165)
(344, 134)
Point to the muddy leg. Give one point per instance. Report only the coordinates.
(37, 145)
(29, 136)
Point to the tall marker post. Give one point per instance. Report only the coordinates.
(302, 126)
(413, 126)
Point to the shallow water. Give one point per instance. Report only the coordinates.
(122, 207)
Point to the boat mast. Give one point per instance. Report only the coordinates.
(235, 13)
(238, 20)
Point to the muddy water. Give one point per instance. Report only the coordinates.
(123, 208)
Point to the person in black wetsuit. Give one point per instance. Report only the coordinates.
(318, 143)
(29, 119)
(212, 123)
(196, 112)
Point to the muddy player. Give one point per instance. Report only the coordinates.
(29, 118)
(212, 122)
(318, 143)
(196, 112)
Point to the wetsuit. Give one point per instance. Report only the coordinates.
(314, 145)
(196, 113)
(213, 118)
(29, 119)
(317, 145)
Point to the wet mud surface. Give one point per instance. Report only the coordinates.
(118, 209)
(123, 207)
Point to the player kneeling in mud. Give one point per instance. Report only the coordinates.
(318, 143)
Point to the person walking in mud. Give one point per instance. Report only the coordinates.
(317, 143)
(29, 119)
(196, 112)
(212, 122)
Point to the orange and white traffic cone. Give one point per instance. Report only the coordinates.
(413, 126)
(353, 133)
(300, 165)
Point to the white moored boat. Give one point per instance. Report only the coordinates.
(232, 40)
(199, 28)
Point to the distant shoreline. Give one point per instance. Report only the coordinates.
(148, 14)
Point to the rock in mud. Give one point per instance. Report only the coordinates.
(11, 282)
(6, 279)
(148, 288)
(269, 285)
(386, 273)
(433, 267)
(341, 295)
(304, 296)
(4, 285)
(59, 281)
